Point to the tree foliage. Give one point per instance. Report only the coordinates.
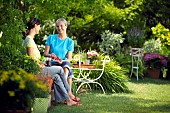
(87, 18)
(11, 28)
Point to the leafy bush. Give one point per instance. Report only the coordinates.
(12, 62)
(11, 40)
(163, 34)
(114, 78)
(110, 44)
(152, 46)
(124, 58)
(159, 31)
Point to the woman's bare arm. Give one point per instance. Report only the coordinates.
(46, 51)
(69, 55)
(30, 52)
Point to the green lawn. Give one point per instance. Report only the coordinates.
(147, 96)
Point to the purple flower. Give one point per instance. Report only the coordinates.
(154, 60)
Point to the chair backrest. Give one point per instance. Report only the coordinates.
(136, 51)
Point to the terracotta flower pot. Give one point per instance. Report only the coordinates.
(153, 73)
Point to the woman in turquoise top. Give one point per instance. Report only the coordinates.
(62, 46)
(62, 90)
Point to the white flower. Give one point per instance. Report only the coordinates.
(1, 34)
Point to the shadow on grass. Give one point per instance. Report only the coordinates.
(147, 80)
(99, 103)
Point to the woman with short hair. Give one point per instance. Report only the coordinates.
(61, 46)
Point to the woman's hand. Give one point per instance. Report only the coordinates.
(41, 65)
(53, 55)
(56, 58)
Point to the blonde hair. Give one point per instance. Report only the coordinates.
(61, 20)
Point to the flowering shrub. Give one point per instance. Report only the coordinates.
(154, 60)
(111, 43)
(152, 46)
(18, 89)
(136, 36)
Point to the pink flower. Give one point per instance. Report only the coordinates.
(92, 53)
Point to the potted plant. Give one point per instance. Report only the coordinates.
(152, 49)
(41, 101)
(80, 57)
(17, 90)
(136, 37)
(154, 63)
(92, 55)
(85, 60)
(42, 98)
(163, 34)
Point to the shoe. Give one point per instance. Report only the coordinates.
(75, 99)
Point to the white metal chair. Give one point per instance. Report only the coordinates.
(136, 55)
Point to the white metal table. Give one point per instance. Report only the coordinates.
(84, 78)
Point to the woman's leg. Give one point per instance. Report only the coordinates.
(60, 85)
(67, 71)
(67, 82)
(69, 74)
(61, 93)
(53, 70)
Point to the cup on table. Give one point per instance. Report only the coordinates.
(87, 61)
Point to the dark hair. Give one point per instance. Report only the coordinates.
(31, 24)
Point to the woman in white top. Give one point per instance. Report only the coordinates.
(62, 90)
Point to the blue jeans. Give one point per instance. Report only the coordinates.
(60, 84)
(63, 65)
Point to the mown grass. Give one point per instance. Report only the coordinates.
(147, 96)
